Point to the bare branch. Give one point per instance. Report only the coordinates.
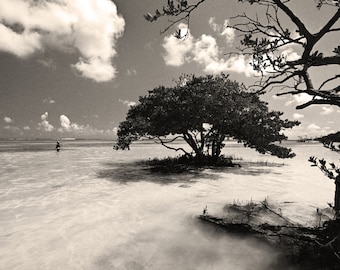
(318, 102)
(329, 80)
(328, 25)
(302, 28)
(264, 39)
(162, 142)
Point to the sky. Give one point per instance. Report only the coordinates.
(72, 68)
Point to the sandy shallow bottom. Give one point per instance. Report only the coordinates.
(89, 207)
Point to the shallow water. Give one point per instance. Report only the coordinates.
(90, 207)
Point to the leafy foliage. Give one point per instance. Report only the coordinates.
(203, 111)
(332, 171)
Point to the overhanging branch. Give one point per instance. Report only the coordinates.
(319, 102)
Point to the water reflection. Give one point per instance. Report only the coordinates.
(124, 173)
(136, 172)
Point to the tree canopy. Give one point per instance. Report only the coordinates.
(203, 111)
(265, 38)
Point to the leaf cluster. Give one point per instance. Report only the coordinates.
(185, 111)
(330, 170)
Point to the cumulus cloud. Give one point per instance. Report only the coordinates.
(311, 131)
(298, 116)
(313, 127)
(204, 51)
(223, 30)
(299, 99)
(177, 50)
(48, 101)
(240, 64)
(127, 102)
(327, 110)
(66, 124)
(8, 119)
(44, 124)
(89, 27)
(20, 44)
(290, 54)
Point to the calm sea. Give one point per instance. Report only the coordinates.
(91, 207)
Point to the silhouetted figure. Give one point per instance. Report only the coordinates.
(205, 211)
(57, 147)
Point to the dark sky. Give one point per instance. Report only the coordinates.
(72, 68)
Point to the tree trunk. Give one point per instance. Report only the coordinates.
(337, 197)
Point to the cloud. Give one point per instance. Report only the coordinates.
(299, 99)
(298, 116)
(95, 68)
(313, 127)
(48, 63)
(14, 129)
(177, 50)
(131, 72)
(8, 119)
(327, 110)
(290, 54)
(66, 125)
(89, 27)
(214, 26)
(276, 97)
(19, 44)
(83, 130)
(289, 102)
(26, 128)
(48, 100)
(311, 131)
(229, 33)
(240, 64)
(44, 124)
(114, 130)
(223, 30)
(205, 52)
(127, 102)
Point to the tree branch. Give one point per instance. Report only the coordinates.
(302, 28)
(173, 148)
(319, 102)
(328, 26)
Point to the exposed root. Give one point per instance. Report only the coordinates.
(312, 246)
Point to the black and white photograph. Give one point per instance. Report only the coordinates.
(169, 134)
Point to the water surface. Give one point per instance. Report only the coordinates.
(90, 207)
